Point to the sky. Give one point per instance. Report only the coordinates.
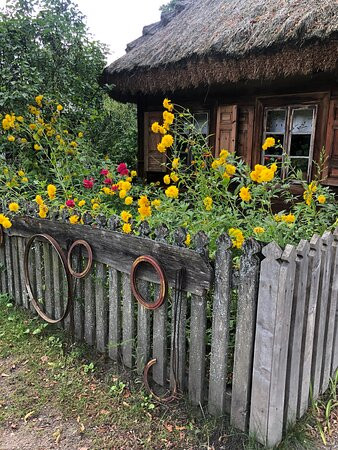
(117, 22)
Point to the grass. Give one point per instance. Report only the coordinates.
(108, 405)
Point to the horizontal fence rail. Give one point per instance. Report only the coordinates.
(248, 342)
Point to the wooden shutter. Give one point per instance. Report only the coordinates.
(226, 128)
(332, 144)
(153, 160)
(245, 133)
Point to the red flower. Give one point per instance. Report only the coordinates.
(104, 172)
(70, 203)
(88, 184)
(122, 169)
(114, 187)
(108, 181)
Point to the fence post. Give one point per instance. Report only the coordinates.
(334, 365)
(321, 316)
(310, 319)
(271, 343)
(220, 326)
(296, 332)
(245, 334)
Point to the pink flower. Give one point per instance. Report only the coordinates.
(114, 187)
(122, 169)
(70, 203)
(104, 172)
(88, 184)
(108, 181)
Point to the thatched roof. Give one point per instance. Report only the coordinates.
(206, 42)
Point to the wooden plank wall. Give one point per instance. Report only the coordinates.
(285, 302)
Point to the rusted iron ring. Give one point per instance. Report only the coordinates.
(1, 236)
(168, 399)
(62, 257)
(163, 282)
(85, 272)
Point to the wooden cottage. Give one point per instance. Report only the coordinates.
(247, 69)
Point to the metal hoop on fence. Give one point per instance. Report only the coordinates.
(163, 282)
(62, 257)
(85, 272)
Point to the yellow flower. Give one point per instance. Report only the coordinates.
(258, 230)
(125, 216)
(95, 206)
(224, 154)
(37, 147)
(59, 107)
(168, 117)
(144, 211)
(208, 203)
(187, 240)
(155, 127)
(73, 144)
(321, 199)
(38, 99)
(245, 195)
(161, 147)
(43, 210)
(269, 142)
(39, 200)
(14, 207)
(166, 179)
(33, 110)
(11, 138)
(122, 193)
(230, 169)
(133, 173)
(175, 163)
(128, 201)
(277, 217)
(4, 221)
(20, 119)
(24, 179)
(167, 140)
(23, 141)
(312, 186)
(32, 126)
(156, 203)
(126, 228)
(82, 203)
(172, 192)
(107, 191)
(74, 219)
(236, 236)
(168, 105)
(216, 163)
(80, 134)
(289, 218)
(262, 174)
(143, 201)
(51, 191)
(21, 173)
(174, 177)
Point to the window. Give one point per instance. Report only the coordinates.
(202, 122)
(294, 128)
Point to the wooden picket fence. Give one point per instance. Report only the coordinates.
(283, 302)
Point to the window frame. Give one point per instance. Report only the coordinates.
(289, 109)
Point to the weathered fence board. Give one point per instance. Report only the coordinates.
(197, 349)
(16, 271)
(3, 278)
(245, 334)
(9, 267)
(220, 326)
(160, 341)
(128, 322)
(319, 337)
(48, 284)
(21, 256)
(143, 328)
(114, 335)
(101, 307)
(296, 332)
(89, 310)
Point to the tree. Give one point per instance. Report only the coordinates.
(45, 49)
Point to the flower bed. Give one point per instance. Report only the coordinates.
(51, 165)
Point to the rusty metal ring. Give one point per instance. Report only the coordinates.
(168, 399)
(163, 282)
(85, 272)
(62, 257)
(1, 236)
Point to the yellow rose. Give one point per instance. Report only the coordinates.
(128, 201)
(166, 179)
(126, 228)
(14, 207)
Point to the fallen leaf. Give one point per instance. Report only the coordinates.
(168, 427)
(57, 436)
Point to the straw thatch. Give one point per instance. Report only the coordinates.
(205, 42)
